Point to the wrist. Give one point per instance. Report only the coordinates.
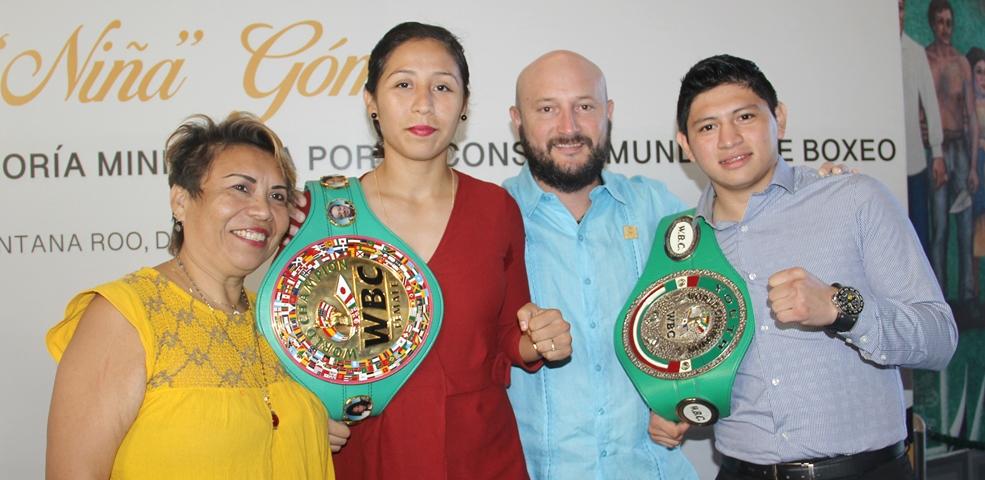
(848, 303)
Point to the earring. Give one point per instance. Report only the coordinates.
(178, 226)
(373, 115)
(464, 117)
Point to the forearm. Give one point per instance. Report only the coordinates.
(919, 335)
(905, 321)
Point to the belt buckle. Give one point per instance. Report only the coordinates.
(775, 471)
(810, 470)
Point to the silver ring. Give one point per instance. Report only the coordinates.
(553, 348)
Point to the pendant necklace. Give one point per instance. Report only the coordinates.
(243, 298)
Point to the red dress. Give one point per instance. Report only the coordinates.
(452, 419)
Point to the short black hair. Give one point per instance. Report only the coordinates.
(935, 7)
(721, 70)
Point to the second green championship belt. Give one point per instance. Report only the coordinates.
(687, 325)
(349, 309)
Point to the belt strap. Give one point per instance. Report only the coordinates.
(684, 330)
(817, 469)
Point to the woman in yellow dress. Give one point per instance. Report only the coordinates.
(162, 373)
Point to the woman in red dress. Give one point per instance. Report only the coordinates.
(452, 419)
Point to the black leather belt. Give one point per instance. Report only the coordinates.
(817, 469)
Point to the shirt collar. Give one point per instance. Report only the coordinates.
(783, 177)
(530, 195)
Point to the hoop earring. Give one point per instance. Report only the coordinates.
(464, 117)
(373, 115)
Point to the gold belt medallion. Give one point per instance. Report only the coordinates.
(351, 309)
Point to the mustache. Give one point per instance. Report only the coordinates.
(569, 139)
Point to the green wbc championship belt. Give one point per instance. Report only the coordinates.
(686, 326)
(349, 309)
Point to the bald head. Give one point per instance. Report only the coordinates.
(562, 116)
(558, 67)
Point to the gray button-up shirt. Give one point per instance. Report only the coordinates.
(800, 392)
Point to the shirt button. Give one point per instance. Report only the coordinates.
(744, 228)
(882, 357)
(752, 276)
(601, 412)
(764, 328)
(588, 281)
(581, 237)
(598, 368)
(864, 339)
(593, 325)
(848, 340)
(775, 381)
(605, 453)
(785, 436)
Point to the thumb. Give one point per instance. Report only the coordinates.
(524, 315)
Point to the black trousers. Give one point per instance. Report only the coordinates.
(898, 469)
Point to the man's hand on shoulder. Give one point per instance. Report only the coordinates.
(831, 168)
(797, 296)
(298, 213)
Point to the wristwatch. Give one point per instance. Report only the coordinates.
(849, 303)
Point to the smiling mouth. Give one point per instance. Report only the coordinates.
(575, 142)
(251, 235)
(735, 160)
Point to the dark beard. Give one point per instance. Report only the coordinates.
(543, 167)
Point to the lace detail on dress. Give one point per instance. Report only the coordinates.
(198, 347)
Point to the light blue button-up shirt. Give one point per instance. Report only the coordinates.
(584, 419)
(801, 393)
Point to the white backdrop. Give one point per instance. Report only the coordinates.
(82, 184)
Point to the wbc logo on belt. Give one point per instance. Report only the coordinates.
(350, 310)
(684, 324)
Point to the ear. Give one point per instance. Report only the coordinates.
(515, 116)
(609, 107)
(179, 202)
(682, 141)
(370, 102)
(781, 120)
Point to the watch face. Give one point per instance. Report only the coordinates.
(849, 301)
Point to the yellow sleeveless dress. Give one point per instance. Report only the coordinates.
(203, 414)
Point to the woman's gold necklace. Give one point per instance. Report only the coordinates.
(379, 192)
(243, 298)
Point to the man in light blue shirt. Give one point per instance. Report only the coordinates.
(841, 291)
(588, 235)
